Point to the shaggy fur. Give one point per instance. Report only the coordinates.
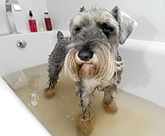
(90, 56)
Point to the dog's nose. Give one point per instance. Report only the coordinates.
(85, 55)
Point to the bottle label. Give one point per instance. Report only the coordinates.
(48, 24)
(33, 26)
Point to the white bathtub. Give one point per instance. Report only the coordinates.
(15, 118)
(143, 76)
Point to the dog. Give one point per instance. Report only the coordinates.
(90, 56)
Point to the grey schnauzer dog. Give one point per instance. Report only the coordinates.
(90, 56)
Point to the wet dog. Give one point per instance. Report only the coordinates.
(90, 56)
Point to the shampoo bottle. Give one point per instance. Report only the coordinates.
(32, 22)
(47, 21)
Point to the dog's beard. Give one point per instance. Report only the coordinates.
(87, 69)
(101, 66)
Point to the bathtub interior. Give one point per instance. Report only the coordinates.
(18, 118)
(142, 75)
(140, 116)
(39, 45)
(144, 69)
(15, 118)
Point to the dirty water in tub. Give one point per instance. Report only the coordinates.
(135, 116)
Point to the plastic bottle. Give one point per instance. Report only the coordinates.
(40, 26)
(32, 22)
(47, 21)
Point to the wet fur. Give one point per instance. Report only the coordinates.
(56, 62)
(90, 31)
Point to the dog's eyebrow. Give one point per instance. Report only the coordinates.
(106, 25)
(81, 21)
(103, 25)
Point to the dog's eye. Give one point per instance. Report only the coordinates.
(77, 29)
(108, 30)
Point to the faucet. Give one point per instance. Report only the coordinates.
(10, 5)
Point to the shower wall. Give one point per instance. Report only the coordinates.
(150, 15)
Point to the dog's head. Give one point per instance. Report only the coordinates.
(96, 34)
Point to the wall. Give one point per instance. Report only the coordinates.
(21, 18)
(38, 7)
(4, 27)
(150, 14)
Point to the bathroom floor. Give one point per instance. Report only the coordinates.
(135, 116)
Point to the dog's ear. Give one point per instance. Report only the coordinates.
(126, 23)
(71, 24)
(82, 9)
(60, 35)
(71, 20)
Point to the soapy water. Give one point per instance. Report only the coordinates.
(34, 99)
(135, 116)
(16, 78)
(34, 92)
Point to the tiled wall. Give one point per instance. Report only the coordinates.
(3, 24)
(38, 7)
(150, 14)
(21, 18)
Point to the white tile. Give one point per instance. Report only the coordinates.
(21, 18)
(160, 37)
(4, 27)
(69, 10)
(145, 12)
(52, 1)
(32, 1)
(55, 13)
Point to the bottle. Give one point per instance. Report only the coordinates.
(40, 26)
(32, 22)
(47, 21)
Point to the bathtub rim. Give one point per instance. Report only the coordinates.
(8, 90)
(19, 115)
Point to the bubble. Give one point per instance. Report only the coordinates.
(67, 116)
(34, 98)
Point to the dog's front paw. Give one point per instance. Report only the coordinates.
(110, 108)
(85, 126)
(49, 93)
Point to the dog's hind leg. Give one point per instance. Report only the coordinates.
(56, 62)
(54, 68)
(108, 103)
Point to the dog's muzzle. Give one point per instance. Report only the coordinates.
(84, 61)
(85, 55)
